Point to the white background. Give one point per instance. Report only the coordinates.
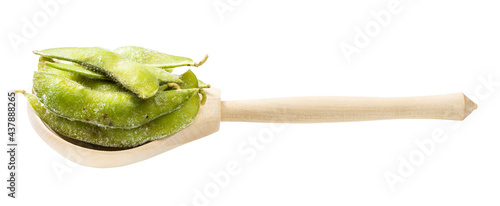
(262, 49)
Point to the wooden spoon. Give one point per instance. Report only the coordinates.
(278, 110)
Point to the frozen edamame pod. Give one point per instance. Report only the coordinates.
(189, 79)
(138, 78)
(76, 69)
(73, 101)
(155, 58)
(163, 76)
(116, 137)
(95, 84)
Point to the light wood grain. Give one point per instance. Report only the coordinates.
(344, 109)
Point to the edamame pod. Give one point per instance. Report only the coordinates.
(138, 78)
(95, 84)
(154, 58)
(73, 101)
(161, 75)
(116, 137)
(190, 81)
(202, 84)
(78, 69)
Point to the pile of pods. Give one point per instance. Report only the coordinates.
(120, 98)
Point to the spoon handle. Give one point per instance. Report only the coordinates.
(344, 109)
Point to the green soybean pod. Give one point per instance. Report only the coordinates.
(81, 78)
(155, 58)
(73, 101)
(161, 75)
(190, 81)
(117, 137)
(77, 69)
(138, 78)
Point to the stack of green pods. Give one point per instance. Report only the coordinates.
(120, 99)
